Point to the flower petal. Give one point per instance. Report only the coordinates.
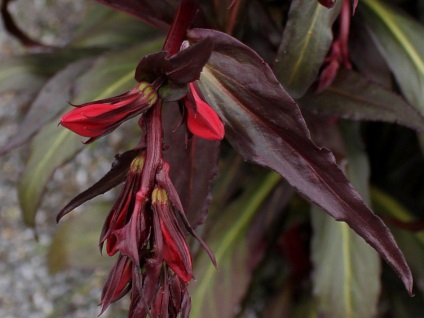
(202, 120)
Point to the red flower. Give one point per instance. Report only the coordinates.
(122, 210)
(118, 283)
(101, 117)
(202, 120)
(154, 260)
(175, 250)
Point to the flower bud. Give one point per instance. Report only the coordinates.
(101, 117)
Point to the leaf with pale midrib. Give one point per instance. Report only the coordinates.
(266, 127)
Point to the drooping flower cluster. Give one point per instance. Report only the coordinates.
(154, 260)
(146, 226)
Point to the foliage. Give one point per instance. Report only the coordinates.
(327, 95)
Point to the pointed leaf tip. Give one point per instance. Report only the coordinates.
(114, 177)
(265, 126)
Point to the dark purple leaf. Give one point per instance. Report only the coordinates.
(266, 126)
(351, 96)
(58, 91)
(151, 66)
(262, 33)
(157, 13)
(365, 55)
(186, 66)
(13, 29)
(192, 167)
(114, 177)
(182, 68)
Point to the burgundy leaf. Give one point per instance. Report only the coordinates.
(365, 56)
(182, 68)
(114, 177)
(351, 96)
(13, 29)
(192, 166)
(262, 34)
(186, 66)
(266, 126)
(151, 66)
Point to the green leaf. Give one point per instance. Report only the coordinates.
(347, 270)
(218, 291)
(30, 72)
(351, 96)
(112, 73)
(46, 106)
(386, 204)
(156, 13)
(53, 146)
(306, 41)
(107, 28)
(75, 244)
(400, 40)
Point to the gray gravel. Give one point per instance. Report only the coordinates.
(26, 287)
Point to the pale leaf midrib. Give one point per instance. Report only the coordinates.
(305, 45)
(27, 194)
(387, 18)
(230, 237)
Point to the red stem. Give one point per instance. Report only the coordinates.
(344, 30)
(233, 17)
(154, 138)
(182, 21)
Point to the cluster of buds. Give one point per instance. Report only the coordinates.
(146, 226)
(154, 262)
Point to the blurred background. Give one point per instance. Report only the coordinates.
(36, 279)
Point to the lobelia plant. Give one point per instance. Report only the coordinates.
(215, 84)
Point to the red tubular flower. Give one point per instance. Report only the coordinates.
(122, 210)
(202, 120)
(101, 117)
(164, 296)
(175, 250)
(154, 260)
(118, 282)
